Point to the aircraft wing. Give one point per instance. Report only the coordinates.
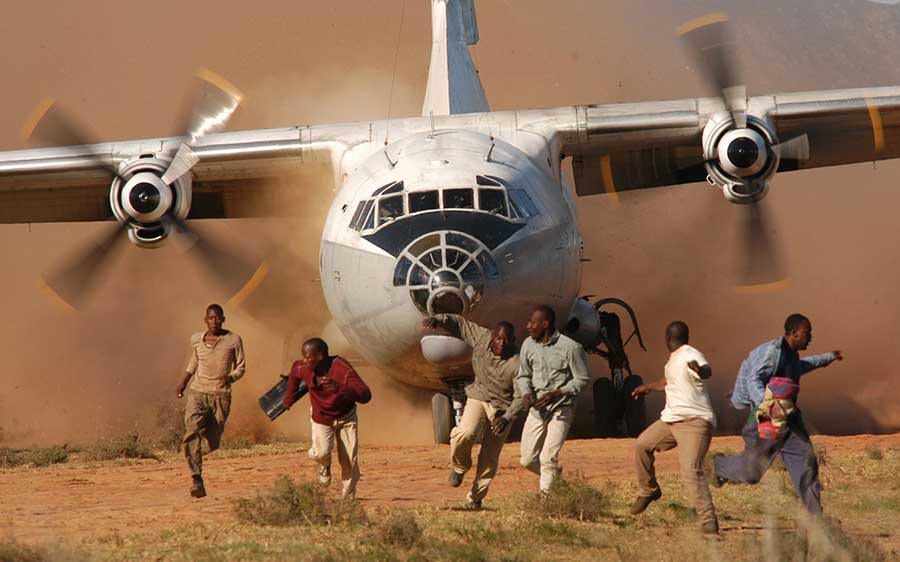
(643, 145)
(242, 174)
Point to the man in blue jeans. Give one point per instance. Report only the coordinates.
(776, 358)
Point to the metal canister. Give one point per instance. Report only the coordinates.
(272, 402)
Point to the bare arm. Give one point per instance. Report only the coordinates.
(703, 371)
(658, 386)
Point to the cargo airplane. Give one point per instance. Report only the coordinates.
(461, 210)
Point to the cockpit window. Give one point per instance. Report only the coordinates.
(390, 208)
(357, 216)
(387, 187)
(487, 180)
(396, 188)
(522, 203)
(458, 199)
(369, 220)
(492, 201)
(423, 201)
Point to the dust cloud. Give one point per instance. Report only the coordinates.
(671, 253)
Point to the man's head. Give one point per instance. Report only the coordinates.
(503, 339)
(214, 318)
(541, 323)
(314, 351)
(677, 335)
(798, 331)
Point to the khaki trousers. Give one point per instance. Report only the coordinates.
(204, 421)
(542, 438)
(345, 433)
(475, 425)
(692, 437)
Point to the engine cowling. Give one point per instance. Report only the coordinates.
(740, 161)
(583, 324)
(140, 198)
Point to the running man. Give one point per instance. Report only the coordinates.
(686, 422)
(334, 390)
(552, 371)
(217, 361)
(776, 358)
(492, 401)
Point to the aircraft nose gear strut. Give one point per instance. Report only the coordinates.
(616, 413)
(447, 409)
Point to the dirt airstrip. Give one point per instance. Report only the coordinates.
(82, 502)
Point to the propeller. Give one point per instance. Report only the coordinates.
(215, 101)
(711, 43)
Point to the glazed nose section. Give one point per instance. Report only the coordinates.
(445, 272)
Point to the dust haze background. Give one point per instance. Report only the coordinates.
(124, 71)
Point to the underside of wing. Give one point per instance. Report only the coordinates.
(843, 126)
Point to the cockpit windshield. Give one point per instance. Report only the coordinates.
(492, 201)
(390, 208)
(458, 199)
(391, 202)
(423, 201)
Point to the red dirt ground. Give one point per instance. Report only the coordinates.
(82, 503)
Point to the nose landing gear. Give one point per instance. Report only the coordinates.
(447, 410)
(616, 413)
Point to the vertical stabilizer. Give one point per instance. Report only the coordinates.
(453, 85)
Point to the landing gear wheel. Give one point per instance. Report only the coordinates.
(604, 408)
(635, 410)
(442, 418)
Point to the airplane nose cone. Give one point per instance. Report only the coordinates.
(445, 272)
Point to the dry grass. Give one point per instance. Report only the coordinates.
(400, 529)
(297, 521)
(291, 503)
(34, 457)
(124, 447)
(14, 551)
(574, 499)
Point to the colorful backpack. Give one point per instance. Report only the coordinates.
(772, 413)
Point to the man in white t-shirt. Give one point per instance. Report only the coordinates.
(686, 422)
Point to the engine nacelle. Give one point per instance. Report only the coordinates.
(140, 198)
(583, 324)
(740, 161)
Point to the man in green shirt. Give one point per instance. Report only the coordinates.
(492, 399)
(552, 371)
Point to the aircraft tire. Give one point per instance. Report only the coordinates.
(604, 407)
(442, 418)
(635, 410)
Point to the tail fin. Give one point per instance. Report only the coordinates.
(453, 84)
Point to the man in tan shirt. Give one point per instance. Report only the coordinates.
(492, 401)
(217, 361)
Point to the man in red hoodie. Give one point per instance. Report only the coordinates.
(334, 390)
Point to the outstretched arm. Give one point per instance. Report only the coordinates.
(470, 332)
(643, 389)
(814, 362)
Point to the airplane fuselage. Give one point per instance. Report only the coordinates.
(446, 221)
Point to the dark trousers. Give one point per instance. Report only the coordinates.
(796, 450)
